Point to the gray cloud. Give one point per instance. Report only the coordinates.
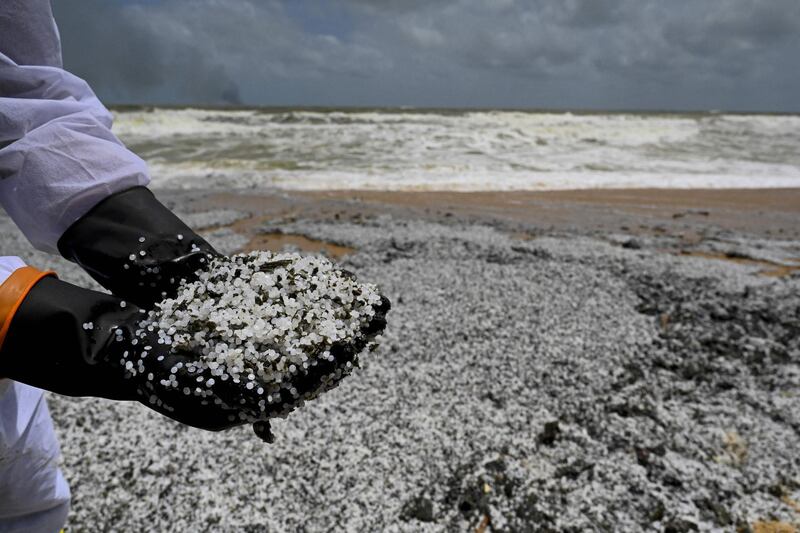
(205, 51)
(738, 54)
(129, 54)
(594, 13)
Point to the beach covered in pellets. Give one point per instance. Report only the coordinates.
(570, 382)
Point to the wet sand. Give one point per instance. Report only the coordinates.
(757, 212)
(681, 222)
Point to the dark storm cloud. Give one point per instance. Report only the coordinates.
(739, 54)
(127, 53)
(737, 27)
(200, 51)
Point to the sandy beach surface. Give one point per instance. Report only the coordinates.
(554, 361)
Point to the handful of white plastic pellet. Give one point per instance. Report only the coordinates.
(263, 332)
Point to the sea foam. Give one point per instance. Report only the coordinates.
(465, 150)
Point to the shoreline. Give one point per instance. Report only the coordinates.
(758, 228)
(119, 107)
(764, 213)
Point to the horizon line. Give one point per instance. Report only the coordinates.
(454, 110)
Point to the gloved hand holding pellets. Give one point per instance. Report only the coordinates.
(218, 341)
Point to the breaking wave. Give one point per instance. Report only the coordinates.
(461, 150)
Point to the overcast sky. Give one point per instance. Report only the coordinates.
(598, 54)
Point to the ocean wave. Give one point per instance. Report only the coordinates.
(463, 150)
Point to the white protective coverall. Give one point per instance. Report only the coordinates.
(58, 159)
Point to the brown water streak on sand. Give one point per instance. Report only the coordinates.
(773, 527)
(277, 241)
(646, 199)
(771, 268)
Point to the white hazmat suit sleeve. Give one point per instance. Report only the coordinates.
(34, 496)
(58, 157)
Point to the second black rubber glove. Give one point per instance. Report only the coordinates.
(78, 342)
(134, 246)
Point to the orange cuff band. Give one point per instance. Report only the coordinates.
(12, 293)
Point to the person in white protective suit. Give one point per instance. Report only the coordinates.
(73, 189)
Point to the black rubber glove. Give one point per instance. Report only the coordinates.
(77, 342)
(135, 247)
